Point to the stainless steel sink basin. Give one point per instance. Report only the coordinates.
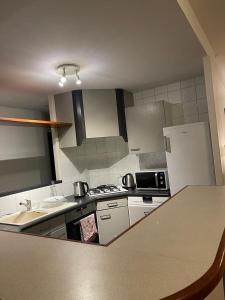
(21, 218)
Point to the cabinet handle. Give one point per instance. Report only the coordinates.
(113, 204)
(135, 149)
(105, 217)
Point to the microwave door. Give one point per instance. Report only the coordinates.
(147, 180)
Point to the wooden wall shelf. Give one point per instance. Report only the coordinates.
(30, 122)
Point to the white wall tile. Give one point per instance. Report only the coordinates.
(200, 91)
(174, 96)
(148, 93)
(138, 102)
(67, 188)
(188, 94)
(174, 86)
(161, 97)
(8, 204)
(138, 96)
(199, 80)
(187, 83)
(149, 99)
(161, 90)
(191, 119)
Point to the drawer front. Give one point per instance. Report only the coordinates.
(159, 200)
(46, 226)
(138, 201)
(112, 203)
(137, 213)
(79, 212)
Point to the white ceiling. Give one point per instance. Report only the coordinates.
(120, 43)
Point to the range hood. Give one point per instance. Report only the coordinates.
(93, 114)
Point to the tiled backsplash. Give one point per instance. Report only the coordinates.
(188, 98)
(10, 204)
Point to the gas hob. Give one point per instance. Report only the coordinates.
(104, 190)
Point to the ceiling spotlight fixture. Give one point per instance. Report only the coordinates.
(68, 70)
(78, 81)
(63, 77)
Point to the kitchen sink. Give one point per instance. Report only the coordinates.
(23, 217)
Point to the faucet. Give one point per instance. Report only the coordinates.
(27, 204)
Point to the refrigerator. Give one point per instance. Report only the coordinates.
(189, 155)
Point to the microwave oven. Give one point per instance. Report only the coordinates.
(152, 179)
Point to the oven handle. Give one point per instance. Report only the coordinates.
(113, 204)
(105, 217)
(156, 180)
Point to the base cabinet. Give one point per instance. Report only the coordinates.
(112, 222)
(136, 213)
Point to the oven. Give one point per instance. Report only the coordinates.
(156, 179)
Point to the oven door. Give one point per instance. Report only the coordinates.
(147, 180)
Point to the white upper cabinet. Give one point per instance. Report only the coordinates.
(145, 127)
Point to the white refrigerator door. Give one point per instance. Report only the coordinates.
(189, 156)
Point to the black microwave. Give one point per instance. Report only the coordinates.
(152, 180)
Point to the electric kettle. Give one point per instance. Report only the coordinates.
(80, 188)
(128, 181)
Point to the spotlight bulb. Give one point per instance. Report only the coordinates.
(63, 79)
(61, 84)
(78, 81)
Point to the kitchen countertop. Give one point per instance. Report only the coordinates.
(168, 250)
(76, 203)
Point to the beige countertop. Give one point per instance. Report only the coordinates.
(165, 252)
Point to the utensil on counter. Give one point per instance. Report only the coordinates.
(80, 188)
(128, 181)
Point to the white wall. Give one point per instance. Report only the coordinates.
(10, 203)
(24, 157)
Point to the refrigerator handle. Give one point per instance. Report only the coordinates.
(167, 144)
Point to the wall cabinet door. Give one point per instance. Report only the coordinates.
(111, 223)
(145, 127)
(137, 212)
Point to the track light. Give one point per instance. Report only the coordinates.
(68, 70)
(78, 81)
(63, 77)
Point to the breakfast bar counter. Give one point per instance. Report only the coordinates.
(162, 254)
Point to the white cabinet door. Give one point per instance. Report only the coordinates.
(100, 111)
(145, 127)
(138, 212)
(111, 223)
